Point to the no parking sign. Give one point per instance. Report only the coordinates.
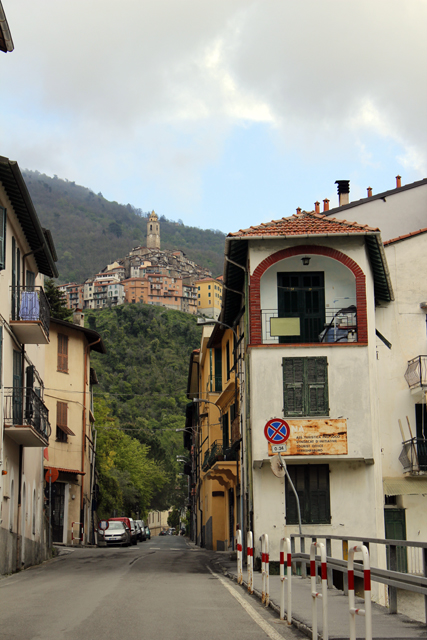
(277, 431)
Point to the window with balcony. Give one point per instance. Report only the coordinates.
(301, 306)
(63, 352)
(305, 387)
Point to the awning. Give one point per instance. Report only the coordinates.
(66, 429)
(75, 471)
(405, 486)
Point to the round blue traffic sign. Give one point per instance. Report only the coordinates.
(277, 431)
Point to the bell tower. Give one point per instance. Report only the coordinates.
(153, 231)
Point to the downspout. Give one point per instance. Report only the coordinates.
(248, 430)
(86, 353)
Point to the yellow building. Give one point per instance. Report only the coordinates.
(69, 379)
(158, 521)
(209, 297)
(212, 436)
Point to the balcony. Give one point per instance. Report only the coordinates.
(339, 325)
(414, 456)
(26, 417)
(416, 376)
(217, 453)
(30, 317)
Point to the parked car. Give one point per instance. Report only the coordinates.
(141, 534)
(117, 533)
(130, 525)
(163, 533)
(148, 533)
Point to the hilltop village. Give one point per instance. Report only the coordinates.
(152, 276)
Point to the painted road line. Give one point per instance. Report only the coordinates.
(265, 626)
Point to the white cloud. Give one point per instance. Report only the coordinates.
(163, 83)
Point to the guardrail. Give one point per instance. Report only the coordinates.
(391, 577)
(367, 611)
(315, 594)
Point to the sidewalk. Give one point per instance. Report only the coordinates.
(384, 625)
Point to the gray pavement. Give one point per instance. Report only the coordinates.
(384, 625)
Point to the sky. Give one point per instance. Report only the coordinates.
(221, 114)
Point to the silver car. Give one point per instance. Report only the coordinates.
(117, 533)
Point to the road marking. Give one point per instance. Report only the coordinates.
(265, 626)
(154, 548)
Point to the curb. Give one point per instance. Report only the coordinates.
(301, 626)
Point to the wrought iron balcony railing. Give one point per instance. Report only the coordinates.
(217, 453)
(414, 456)
(25, 407)
(338, 325)
(30, 304)
(416, 373)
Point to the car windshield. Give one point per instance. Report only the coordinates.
(115, 525)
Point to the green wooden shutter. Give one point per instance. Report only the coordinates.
(316, 377)
(293, 386)
(297, 474)
(318, 487)
(2, 238)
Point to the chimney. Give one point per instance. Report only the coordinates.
(326, 204)
(79, 318)
(317, 207)
(343, 192)
(398, 182)
(298, 211)
(369, 192)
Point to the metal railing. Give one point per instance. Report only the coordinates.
(339, 325)
(25, 407)
(30, 304)
(414, 456)
(218, 453)
(413, 579)
(416, 373)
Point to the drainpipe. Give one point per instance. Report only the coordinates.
(86, 354)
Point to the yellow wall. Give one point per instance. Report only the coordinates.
(209, 296)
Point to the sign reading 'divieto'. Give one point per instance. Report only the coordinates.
(314, 438)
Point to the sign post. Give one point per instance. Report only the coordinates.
(103, 525)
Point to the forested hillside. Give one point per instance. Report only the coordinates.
(89, 231)
(142, 395)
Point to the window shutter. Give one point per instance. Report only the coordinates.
(62, 352)
(293, 386)
(319, 494)
(2, 238)
(61, 414)
(317, 386)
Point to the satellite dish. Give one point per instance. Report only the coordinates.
(278, 466)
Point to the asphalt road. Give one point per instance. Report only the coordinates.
(163, 589)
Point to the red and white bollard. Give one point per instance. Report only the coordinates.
(314, 593)
(72, 532)
(265, 569)
(367, 611)
(250, 561)
(287, 542)
(239, 556)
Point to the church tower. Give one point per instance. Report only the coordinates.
(153, 232)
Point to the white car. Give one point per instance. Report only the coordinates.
(117, 533)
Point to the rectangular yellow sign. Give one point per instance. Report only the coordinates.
(314, 438)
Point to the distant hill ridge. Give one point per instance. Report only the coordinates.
(90, 232)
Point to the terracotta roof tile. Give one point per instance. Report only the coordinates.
(405, 237)
(304, 224)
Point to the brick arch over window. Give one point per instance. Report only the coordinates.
(255, 297)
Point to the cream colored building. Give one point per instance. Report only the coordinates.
(157, 521)
(209, 297)
(72, 445)
(26, 255)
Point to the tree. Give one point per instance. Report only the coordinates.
(57, 301)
